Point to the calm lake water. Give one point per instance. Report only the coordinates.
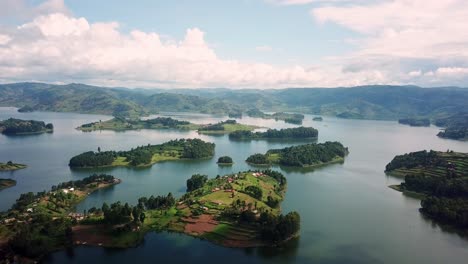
(348, 213)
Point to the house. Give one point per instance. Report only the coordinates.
(29, 210)
(76, 216)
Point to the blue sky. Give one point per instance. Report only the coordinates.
(235, 44)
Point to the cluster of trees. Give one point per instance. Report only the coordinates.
(303, 155)
(42, 235)
(258, 158)
(117, 213)
(218, 126)
(279, 228)
(278, 176)
(95, 179)
(93, 159)
(254, 191)
(165, 121)
(158, 202)
(17, 126)
(225, 160)
(297, 132)
(196, 181)
(414, 159)
(437, 186)
(415, 121)
(186, 148)
(287, 117)
(452, 211)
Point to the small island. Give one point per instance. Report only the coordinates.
(6, 183)
(224, 127)
(145, 155)
(455, 127)
(9, 166)
(416, 122)
(225, 160)
(14, 126)
(317, 118)
(285, 133)
(440, 179)
(286, 117)
(122, 123)
(235, 210)
(309, 155)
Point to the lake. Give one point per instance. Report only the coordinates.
(348, 214)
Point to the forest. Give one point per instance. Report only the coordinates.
(144, 155)
(15, 126)
(455, 126)
(296, 132)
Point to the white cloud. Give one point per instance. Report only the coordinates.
(415, 73)
(264, 48)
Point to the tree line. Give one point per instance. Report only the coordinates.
(296, 132)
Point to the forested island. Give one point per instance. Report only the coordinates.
(122, 123)
(225, 160)
(318, 118)
(309, 155)
(39, 223)
(225, 127)
(15, 126)
(6, 183)
(286, 117)
(9, 166)
(145, 155)
(418, 122)
(285, 133)
(440, 179)
(455, 126)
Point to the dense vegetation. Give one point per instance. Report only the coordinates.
(196, 182)
(296, 132)
(14, 126)
(225, 160)
(365, 102)
(302, 155)
(415, 121)
(442, 177)
(145, 155)
(318, 118)
(26, 109)
(456, 126)
(225, 127)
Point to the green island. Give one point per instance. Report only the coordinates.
(39, 223)
(285, 133)
(145, 155)
(9, 166)
(455, 126)
(317, 118)
(286, 117)
(6, 183)
(225, 160)
(122, 123)
(235, 210)
(418, 122)
(224, 127)
(15, 126)
(309, 155)
(26, 109)
(440, 179)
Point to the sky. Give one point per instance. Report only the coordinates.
(235, 44)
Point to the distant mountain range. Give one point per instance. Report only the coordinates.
(363, 102)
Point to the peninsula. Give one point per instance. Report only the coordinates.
(39, 223)
(455, 126)
(440, 179)
(309, 155)
(145, 155)
(14, 126)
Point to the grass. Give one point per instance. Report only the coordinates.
(119, 125)
(228, 128)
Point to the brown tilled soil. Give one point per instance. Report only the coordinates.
(90, 235)
(200, 225)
